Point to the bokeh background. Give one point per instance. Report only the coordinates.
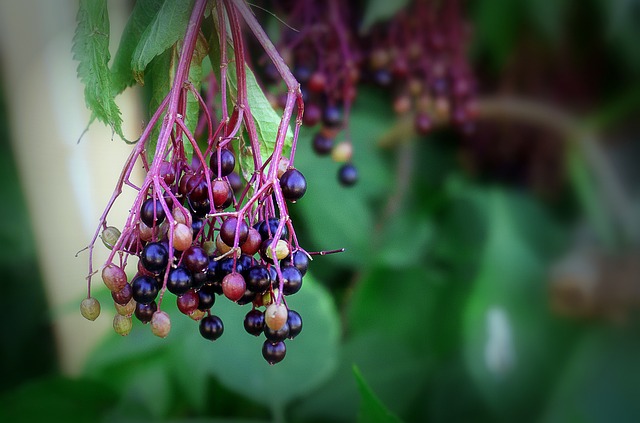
(491, 277)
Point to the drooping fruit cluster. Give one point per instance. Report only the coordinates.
(193, 229)
(325, 60)
(418, 54)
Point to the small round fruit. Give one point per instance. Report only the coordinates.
(206, 297)
(160, 324)
(154, 257)
(332, 116)
(90, 308)
(228, 231)
(312, 114)
(252, 244)
(144, 289)
(236, 182)
(127, 309)
(195, 259)
(211, 327)
(179, 280)
(151, 212)
(233, 286)
(277, 335)
(342, 152)
(254, 322)
(269, 230)
(348, 175)
(275, 316)
(114, 277)
(322, 144)
(222, 194)
(258, 279)
(273, 353)
(294, 320)
(122, 324)
(188, 302)
(293, 185)
(227, 162)
(110, 236)
(298, 259)
(182, 237)
(144, 312)
(123, 296)
(292, 280)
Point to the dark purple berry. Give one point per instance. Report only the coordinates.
(236, 182)
(294, 321)
(199, 208)
(207, 297)
(195, 259)
(273, 353)
(211, 327)
(312, 115)
(254, 322)
(227, 162)
(149, 207)
(293, 185)
(228, 231)
(247, 297)
(276, 335)
(179, 280)
(144, 289)
(258, 279)
(298, 259)
(198, 279)
(348, 174)
(154, 257)
(292, 280)
(322, 144)
(144, 312)
(332, 116)
(268, 231)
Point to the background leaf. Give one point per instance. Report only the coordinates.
(144, 11)
(371, 408)
(91, 50)
(167, 27)
(380, 10)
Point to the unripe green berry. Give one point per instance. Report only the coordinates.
(110, 236)
(122, 324)
(127, 309)
(90, 308)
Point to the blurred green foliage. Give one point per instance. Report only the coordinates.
(442, 305)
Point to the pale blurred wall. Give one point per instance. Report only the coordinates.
(66, 184)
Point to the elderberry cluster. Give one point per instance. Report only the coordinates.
(199, 262)
(196, 230)
(324, 59)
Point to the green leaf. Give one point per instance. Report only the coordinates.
(371, 408)
(385, 362)
(236, 359)
(56, 399)
(142, 15)
(512, 343)
(168, 26)
(91, 50)
(600, 381)
(548, 17)
(379, 11)
(497, 24)
(409, 294)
